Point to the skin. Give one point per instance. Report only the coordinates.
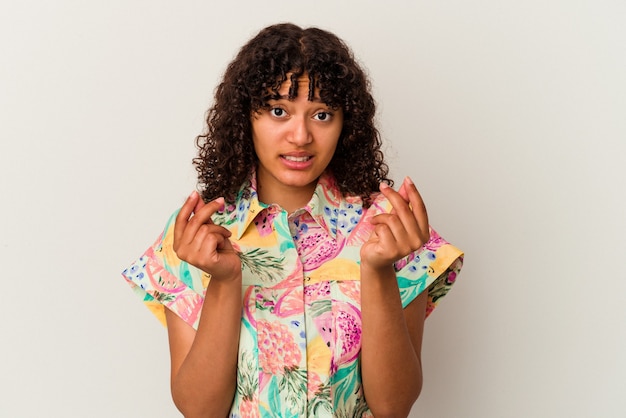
(293, 128)
(391, 336)
(204, 362)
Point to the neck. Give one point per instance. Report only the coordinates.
(288, 198)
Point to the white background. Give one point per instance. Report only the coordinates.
(509, 115)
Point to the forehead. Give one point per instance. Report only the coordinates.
(303, 86)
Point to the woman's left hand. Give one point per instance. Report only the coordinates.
(398, 233)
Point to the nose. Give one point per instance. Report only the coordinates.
(300, 134)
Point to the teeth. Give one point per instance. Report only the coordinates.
(296, 159)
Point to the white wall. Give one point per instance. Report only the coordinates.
(510, 115)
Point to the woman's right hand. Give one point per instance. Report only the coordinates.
(201, 243)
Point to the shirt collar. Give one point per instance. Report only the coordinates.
(326, 206)
(247, 205)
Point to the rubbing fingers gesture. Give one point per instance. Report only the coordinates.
(400, 232)
(201, 243)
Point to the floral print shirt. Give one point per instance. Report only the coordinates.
(301, 320)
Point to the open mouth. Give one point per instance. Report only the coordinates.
(296, 159)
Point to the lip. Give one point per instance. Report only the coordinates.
(306, 160)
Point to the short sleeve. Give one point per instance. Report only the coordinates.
(162, 280)
(435, 267)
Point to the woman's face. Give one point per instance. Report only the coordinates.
(294, 141)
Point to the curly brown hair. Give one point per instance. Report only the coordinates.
(226, 152)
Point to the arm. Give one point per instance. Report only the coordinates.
(204, 362)
(391, 346)
(392, 337)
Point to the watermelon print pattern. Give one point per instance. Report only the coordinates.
(301, 322)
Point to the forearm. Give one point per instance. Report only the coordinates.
(206, 381)
(391, 368)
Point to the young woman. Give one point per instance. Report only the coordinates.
(296, 283)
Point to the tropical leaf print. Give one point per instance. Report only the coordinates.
(321, 402)
(163, 297)
(294, 385)
(267, 267)
(345, 382)
(247, 382)
(320, 307)
(274, 397)
(358, 410)
(411, 287)
(301, 325)
(439, 289)
(275, 407)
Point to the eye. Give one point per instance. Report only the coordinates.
(278, 112)
(323, 116)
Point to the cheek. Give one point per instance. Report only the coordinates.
(337, 133)
(254, 144)
(330, 151)
(336, 140)
(257, 148)
(259, 138)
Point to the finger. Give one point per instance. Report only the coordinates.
(218, 230)
(209, 237)
(199, 205)
(207, 242)
(216, 243)
(207, 230)
(203, 216)
(412, 215)
(183, 217)
(399, 236)
(199, 239)
(206, 210)
(386, 239)
(402, 191)
(400, 208)
(419, 209)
